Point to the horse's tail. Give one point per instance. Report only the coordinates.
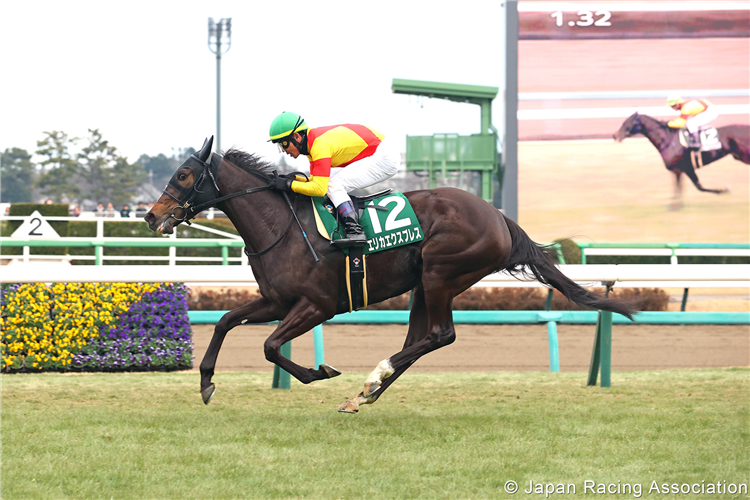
(529, 260)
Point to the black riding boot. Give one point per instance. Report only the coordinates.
(694, 140)
(355, 235)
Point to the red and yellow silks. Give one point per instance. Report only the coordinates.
(688, 110)
(332, 147)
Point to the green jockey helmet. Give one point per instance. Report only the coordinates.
(674, 99)
(286, 124)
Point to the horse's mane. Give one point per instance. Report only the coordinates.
(249, 162)
(662, 123)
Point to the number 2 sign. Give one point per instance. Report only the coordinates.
(35, 227)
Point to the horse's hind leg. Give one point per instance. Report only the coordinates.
(380, 379)
(433, 329)
(257, 311)
(690, 172)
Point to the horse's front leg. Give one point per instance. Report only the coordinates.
(303, 317)
(676, 203)
(257, 311)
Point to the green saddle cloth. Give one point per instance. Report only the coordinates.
(394, 227)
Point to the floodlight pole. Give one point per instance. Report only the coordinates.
(219, 42)
(510, 144)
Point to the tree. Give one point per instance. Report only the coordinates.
(161, 167)
(108, 175)
(59, 169)
(16, 176)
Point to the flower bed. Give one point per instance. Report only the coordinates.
(95, 327)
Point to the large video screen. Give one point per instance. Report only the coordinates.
(585, 68)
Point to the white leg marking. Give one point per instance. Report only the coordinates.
(380, 373)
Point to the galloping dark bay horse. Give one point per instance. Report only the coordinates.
(465, 239)
(735, 140)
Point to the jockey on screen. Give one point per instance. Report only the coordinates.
(342, 158)
(694, 114)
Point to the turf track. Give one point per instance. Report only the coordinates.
(456, 435)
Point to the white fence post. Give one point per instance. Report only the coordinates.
(173, 250)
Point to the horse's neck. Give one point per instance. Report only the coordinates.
(254, 215)
(656, 132)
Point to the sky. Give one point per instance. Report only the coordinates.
(141, 71)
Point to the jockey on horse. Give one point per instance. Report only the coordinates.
(342, 158)
(694, 114)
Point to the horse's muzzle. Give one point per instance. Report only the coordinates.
(164, 227)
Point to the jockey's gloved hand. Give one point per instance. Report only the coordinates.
(281, 183)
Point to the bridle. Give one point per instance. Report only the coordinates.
(188, 197)
(637, 125)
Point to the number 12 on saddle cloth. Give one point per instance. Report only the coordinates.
(390, 228)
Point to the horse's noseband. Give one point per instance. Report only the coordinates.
(637, 125)
(186, 204)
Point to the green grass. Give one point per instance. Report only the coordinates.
(148, 435)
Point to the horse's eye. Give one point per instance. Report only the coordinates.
(182, 177)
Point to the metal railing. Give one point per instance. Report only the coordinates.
(100, 242)
(623, 112)
(671, 250)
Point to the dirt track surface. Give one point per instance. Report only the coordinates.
(358, 348)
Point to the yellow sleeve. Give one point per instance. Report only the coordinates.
(677, 123)
(316, 186)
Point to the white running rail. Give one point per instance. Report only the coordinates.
(624, 275)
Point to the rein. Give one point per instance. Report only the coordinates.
(192, 211)
(283, 233)
(665, 139)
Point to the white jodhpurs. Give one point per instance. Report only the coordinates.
(382, 165)
(694, 123)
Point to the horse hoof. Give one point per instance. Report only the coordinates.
(208, 393)
(349, 407)
(330, 371)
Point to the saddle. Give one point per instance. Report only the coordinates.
(707, 140)
(360, 201)
(388, 220)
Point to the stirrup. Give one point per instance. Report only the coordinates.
(351, 240)
(354, 235)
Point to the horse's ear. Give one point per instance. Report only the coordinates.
(205, 151)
